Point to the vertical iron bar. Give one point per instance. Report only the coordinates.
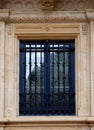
(41, 91)
(35, 79)
(69, 79)
(25, 79)
(53, 79)
(64, 92)
(47, 77)
(22, 106)
(30, 84)
(72, 78)
(58, 80)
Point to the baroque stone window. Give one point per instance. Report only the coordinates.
(47, 79)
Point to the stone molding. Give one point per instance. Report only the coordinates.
(59, 5)
(50, 17)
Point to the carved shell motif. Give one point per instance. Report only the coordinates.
(47, 5)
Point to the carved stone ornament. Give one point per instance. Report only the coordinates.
(10, 29)
(47, 4)
(84, 29)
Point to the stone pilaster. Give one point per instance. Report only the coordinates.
(92, 68)
(84, 71)
(2, 41)
(10, 69)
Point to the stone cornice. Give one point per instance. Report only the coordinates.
(49, 17)
(90, 14)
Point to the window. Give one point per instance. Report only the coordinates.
(47, 80)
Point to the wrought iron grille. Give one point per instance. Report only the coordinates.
(47, 80)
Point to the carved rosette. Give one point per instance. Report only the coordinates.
(47, 4)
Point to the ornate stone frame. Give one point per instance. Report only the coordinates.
(76, 31)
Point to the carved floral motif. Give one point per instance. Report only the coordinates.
(47, 4)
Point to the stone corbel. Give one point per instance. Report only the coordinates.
(90, 14)
(4, 14)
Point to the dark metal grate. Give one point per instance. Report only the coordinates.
(47, 85)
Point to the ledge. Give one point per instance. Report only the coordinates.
(47, 119)
(55, 121)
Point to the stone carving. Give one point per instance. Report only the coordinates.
(59, 5)
(47, 4)
(84, 29)
(10, 29)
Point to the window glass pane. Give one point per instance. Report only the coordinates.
(47, 78)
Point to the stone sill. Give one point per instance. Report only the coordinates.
(47, 120)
